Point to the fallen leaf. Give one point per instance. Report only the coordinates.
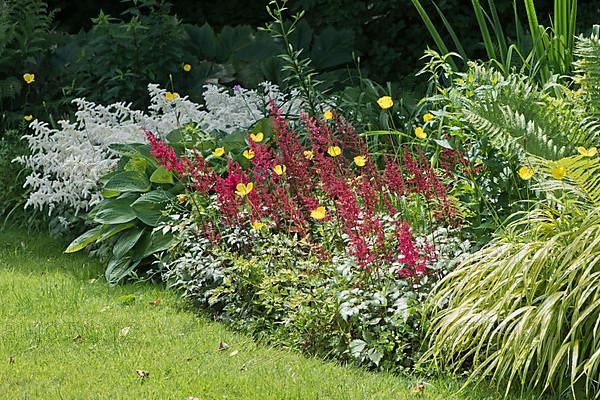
(142, 374)
(105, 308)
(233, 353)
(192, 398)
(126, 298)
(78, 338)
(155, 302)
(418, 389)
(223, 346)
(125, 331)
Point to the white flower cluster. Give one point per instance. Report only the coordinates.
(227, 112)
(66, 163)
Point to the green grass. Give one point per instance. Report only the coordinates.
(64, 331)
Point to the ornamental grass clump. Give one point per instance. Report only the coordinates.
(525, 309)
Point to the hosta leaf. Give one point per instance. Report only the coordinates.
(148, 208)
(85, 239)
(118, 268)
(136, 165)
(127, 241)
(161, 175)
(117, 211)
(112, 230)
(128, 181)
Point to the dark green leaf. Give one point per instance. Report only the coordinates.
(85, 239)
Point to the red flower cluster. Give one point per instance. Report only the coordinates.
(357, 197)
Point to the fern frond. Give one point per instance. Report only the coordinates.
(587, 68)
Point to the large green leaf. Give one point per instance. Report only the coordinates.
(148, 208)
(118, 268)
(117, 211)
(161, 175)
(85, 239)
(111, 230)
(136, 165)
(128, 181)
(127, 241)
(153, 243)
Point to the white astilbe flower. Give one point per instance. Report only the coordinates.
(227, 112)
(66, 163)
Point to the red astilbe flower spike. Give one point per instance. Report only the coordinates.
(164, 153)
(201, 177)
(298, 174)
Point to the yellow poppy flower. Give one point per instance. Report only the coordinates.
(181, 198)
(427, 117)
(258, 137)
(559, 172)
(591, 152)
(360, 161)
(219, 151)
(318, 213)
(525, 173)
(308, 154)
(420, 133)
(171, 96)
(28, 117)
(29, 78)
(327, 115)
(334, 151)
(249, 154)
(243, 190)
(257, 225)
(280, 169)
(187, 67)
(385, 102)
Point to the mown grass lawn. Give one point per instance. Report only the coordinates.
(65, 335)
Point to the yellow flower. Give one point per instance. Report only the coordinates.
(181, 198)
(171, 96)
(360, 161)
(249, 154)
(334, 151)
(29, 78)
(559, 172)
(385, 102)
(591, 152)
(28, 117)
(327, 115)
(308, 154)
(242, 190)
(420, 133)
(280, 169)
(219, 151)
(257, 225)
(318, 213)
(258, 137)
(427, 117)
(525, 173)
(187, 67)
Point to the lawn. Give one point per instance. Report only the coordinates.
(66, 335)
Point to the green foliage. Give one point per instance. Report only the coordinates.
(525, 309)
(275, 288)
(539, 53)
(588, 68)
(12, 194)
(497, 122)
(24, 29)
(134, 200)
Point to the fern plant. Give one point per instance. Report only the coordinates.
(525, 309)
